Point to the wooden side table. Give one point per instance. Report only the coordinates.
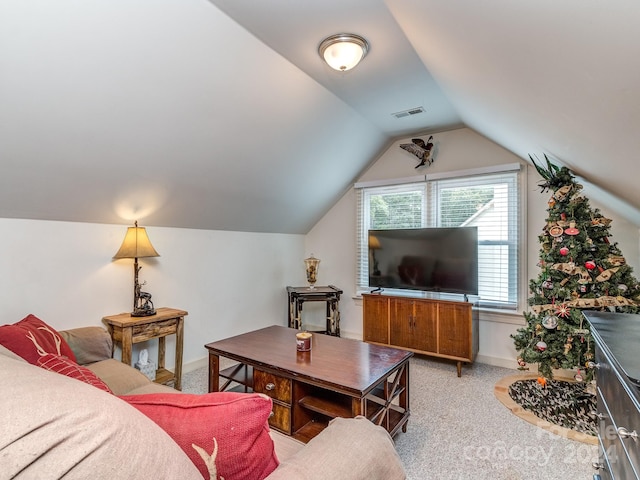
(330, 294)
(128, 330)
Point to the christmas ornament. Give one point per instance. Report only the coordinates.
(562, 192)
(584, 288)
(551, 202)
(622, 287)
(563, 310)
(572, 230)
(564, 251)
(578, 376)
(542, 346)
(555, 231)
(590, 264)
(521, 362)
(542, 382)
(550, 322)
(547, 284)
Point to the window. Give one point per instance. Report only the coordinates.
(488, 201)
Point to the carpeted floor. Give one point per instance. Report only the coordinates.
(458, 430)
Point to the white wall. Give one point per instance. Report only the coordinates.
(333, 238)
(229, 282)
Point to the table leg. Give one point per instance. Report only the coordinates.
(177, 382)
(298, 320)
(404, 396)
(214, 372)
(357, 406)
(291, 311)
(161, 352)
(127, 341)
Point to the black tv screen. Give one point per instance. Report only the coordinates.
(430, 259)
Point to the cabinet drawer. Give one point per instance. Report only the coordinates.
(153, 330)
(618, 464)
(617, 402)
(281, 418)
(272, 385)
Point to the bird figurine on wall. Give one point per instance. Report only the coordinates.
(421, 150)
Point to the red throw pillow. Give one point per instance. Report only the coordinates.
(65, 366)
(229, 428)
(31, 338)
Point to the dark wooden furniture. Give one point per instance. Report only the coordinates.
(339, 377)
(439, 328)
(297, 296)
(617, 364)
(127, 330)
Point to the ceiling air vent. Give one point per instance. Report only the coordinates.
(408, 113)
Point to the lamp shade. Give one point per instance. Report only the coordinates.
(374, 243)
(343, 51)
(136, 244)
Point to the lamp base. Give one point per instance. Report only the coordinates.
(143, 312)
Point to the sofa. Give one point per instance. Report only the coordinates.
(55, 426)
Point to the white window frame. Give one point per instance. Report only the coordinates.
(431, 184)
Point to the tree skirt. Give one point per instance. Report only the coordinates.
(562, 407)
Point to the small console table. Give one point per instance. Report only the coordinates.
(330, 294)
(128, 330)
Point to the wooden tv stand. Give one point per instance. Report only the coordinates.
(429, 326)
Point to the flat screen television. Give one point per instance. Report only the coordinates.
(429, 259)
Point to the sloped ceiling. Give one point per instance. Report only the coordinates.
(543, 77)
(167, 112)
(218, 114)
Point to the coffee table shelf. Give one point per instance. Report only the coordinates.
(240, 373)
(310, 430)
(331, 405)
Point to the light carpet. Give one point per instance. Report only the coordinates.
(458, 430)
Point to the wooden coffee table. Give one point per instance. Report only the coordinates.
(339, 377)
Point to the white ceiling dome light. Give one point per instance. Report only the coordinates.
(343, 51)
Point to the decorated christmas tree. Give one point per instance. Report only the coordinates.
(579, 269)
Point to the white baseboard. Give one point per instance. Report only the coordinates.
(195, 364)
(204, 363)
(497, 361)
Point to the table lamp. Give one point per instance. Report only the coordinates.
(374, 244)
(136, 244)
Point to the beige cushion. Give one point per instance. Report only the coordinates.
(60, 427)
(152, 387)
(8, 353)
(285, 445)
(348, 449)
(89, 344)
(120, 378)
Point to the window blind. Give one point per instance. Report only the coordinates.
(489, 202)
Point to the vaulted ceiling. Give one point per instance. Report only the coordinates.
(219, 114)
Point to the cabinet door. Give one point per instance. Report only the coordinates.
(455, 330)
(401, 322)
(375, 314)
(425, 332)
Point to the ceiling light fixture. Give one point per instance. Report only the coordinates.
(343, 51)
